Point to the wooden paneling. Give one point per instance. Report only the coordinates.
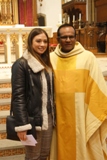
(82, 8)
(101, 9)
(102, 17)
(53, 40)
(100, 2)
(74, 8)
(90, 37)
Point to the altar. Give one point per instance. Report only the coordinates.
(16, 35)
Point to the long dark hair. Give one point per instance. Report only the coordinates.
(44, 59)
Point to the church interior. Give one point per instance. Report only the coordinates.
(17, 18)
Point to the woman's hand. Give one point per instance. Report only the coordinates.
(22, 135)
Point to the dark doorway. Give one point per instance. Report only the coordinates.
(41, 19)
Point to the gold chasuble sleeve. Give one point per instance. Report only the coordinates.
(81, 107)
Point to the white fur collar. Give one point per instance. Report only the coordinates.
(34, 64)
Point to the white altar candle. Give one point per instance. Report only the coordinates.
(73, 18)
(60, 19)
(79, 16)
(68, 19)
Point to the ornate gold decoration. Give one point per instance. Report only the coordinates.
(14, 38)
(2, 37)
(5, 12)
(24, 38)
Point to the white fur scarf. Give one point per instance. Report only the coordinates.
(36, 66)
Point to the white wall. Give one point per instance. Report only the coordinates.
(52, 10)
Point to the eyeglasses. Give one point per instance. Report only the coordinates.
(66, 37)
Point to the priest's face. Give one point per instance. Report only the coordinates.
(67, 38)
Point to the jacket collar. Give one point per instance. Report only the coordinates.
(33, 63)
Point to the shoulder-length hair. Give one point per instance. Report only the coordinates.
(44, 59)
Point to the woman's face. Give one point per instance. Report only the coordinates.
(40, 43)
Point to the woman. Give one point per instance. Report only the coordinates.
(32, 94)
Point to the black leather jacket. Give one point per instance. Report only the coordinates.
(30, 95)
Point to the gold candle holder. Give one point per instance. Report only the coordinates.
(73, 22)
(79, 23)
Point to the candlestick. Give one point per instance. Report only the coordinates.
(68, 19)
(60, 19)
(79, 16)
(79, 24)
(73, 18)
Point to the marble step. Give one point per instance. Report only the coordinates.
(3, 115)
(3, 131)
(5, 79)
(5, 104)
(4, 84)
(5, 101)
(5, 75)
(10, 148)
(16, 157)
(5, 90)
(5, 93)
(4, 107)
